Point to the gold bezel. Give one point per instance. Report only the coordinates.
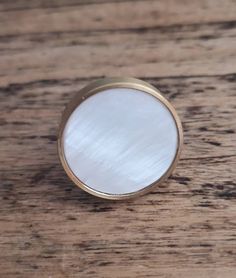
(101, 85)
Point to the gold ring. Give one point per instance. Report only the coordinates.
(119, 138)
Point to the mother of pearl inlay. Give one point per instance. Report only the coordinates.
(120, 140)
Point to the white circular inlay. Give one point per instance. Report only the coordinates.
(120, 140)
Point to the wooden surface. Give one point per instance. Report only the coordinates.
(48, 51)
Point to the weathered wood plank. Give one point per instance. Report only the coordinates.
(51, 49)
(170, 51)
(188, 222)
(116, 15)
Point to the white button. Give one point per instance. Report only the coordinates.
(120, 141)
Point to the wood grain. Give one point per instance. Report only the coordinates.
(51, 49)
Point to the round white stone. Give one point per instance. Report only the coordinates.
(120, 140)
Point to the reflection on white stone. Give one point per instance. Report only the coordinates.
(120, 141)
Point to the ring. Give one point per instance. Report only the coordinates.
(119, 138)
